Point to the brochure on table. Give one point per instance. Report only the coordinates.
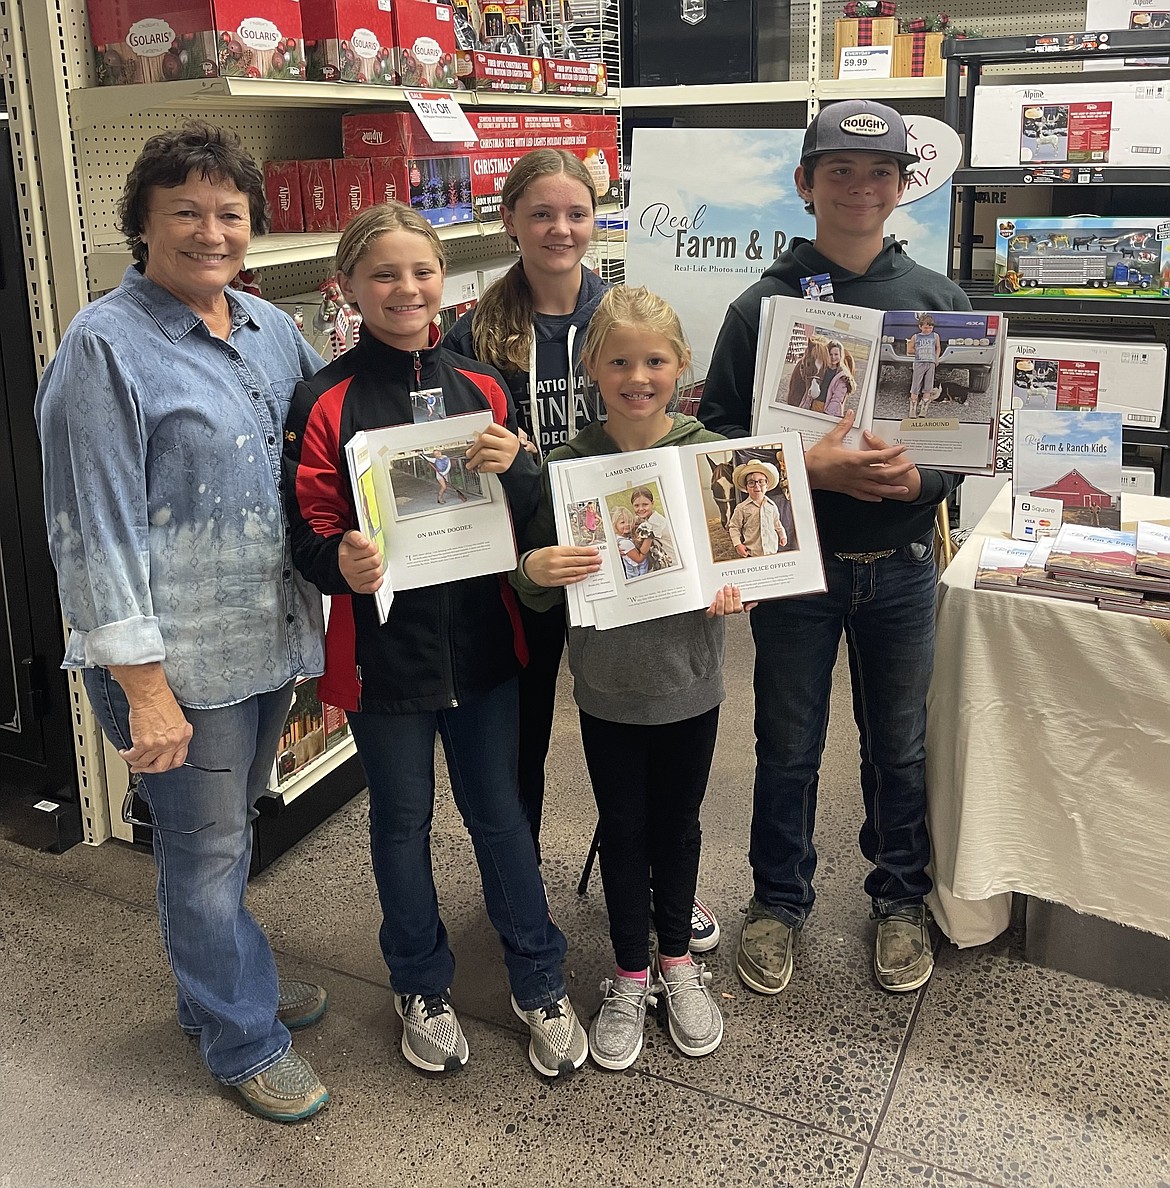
(669, 524)
(433, 519)
(929, 381)
(1066, 470)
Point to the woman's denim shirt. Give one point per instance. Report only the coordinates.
(162, 448)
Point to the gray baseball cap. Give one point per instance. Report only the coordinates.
(858, 126)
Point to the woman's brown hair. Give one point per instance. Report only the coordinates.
(501, 330)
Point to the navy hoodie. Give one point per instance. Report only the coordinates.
(892, 281)
(558, 350)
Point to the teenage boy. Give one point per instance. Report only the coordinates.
(875, 517)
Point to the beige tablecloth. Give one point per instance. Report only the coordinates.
(1048, 752)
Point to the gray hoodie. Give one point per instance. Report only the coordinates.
(664, 670)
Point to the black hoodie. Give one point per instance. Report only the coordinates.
(892, 281)
(558, 349)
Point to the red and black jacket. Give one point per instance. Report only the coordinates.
(440, 644)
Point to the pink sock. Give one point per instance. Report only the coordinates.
(671, 962)
(633, 975)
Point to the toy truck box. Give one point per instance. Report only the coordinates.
(1083, 257)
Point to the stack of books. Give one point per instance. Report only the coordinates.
(1128, 572)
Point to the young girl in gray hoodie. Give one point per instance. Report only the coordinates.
(648, 696)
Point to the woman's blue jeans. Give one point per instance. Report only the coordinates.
(480, 743)
(886, 610)
(219, 955)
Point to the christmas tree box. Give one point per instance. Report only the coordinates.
(148, 41)
(503, 72)
(439, 188)
(318, 194)
(350, 41)
(565, 77)
(282, 186)
(862, 31)
(353, 185)
(918, 55)
(425, 36)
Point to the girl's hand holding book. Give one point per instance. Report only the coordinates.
(360, 562)
(728, 601)
(493, 451)
(561, 565)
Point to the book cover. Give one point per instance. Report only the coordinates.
(433, 518)
(1146, 608)
(1035, 579)
(1153, 548)
(1000, 564)
(938, 384)
(676, 524)
(1071, 457)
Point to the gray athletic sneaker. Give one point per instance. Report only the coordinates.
(764, 957)
(693, 1016)
(559, 1045)
(615, 1035)
(431, 1036)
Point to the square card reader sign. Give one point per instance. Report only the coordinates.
(866, 61)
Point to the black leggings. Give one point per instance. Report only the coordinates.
(545, 633)
(649, 782)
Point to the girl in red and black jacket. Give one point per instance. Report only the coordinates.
(445, 660)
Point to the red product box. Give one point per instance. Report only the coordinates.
(318, 195)
(439, 188)
(565, 77)
(282, 184)
(504, 72)
(354, 187)
(425, 37)
(146, 41)
(350, 41)
(489, 171)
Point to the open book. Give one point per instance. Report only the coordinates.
(929, 381)
(676, 524)
(432, 518)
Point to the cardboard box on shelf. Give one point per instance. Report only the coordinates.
(146, 41)
(282, 185)
(918, 55)
(563, 76)
(1126, 14)
(862, 31)
(318, 194)
(1099, 123)
(425, 36)
(439, 188)
(354, 187)
(1082, 257)
(503, 72)
(350, 41)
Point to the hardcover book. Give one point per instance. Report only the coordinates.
(1000, 564)
(1153, 548)
(433, 519)
(1102, 556)
(674, 525)
(1073, 458)
(928, 381)
(1035, 579)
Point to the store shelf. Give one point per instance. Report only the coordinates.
(91, 106)
(983, 297)
(881, 88)
(1116, 175)
(716, 94)
(1121, 43)
(308, 775)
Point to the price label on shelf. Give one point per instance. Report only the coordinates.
(866, 61)
(441, 116)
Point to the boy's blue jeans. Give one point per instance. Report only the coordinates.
(219, 955)
(886, 609)
(480, 741)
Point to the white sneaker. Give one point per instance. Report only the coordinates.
(559, 1045)
(615, 1035)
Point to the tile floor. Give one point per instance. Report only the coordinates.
(996, 1073)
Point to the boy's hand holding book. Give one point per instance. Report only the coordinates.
(360, 562)
(871, 475)
(493, 451)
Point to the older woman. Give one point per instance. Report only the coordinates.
(161, 422)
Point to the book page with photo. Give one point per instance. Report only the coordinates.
(434, 518)
(680, 523)
(1073, 458)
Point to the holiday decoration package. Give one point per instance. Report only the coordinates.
(147, 41)
(1106, 123)
(350, 41)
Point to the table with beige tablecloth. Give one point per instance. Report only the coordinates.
(1048, 752)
